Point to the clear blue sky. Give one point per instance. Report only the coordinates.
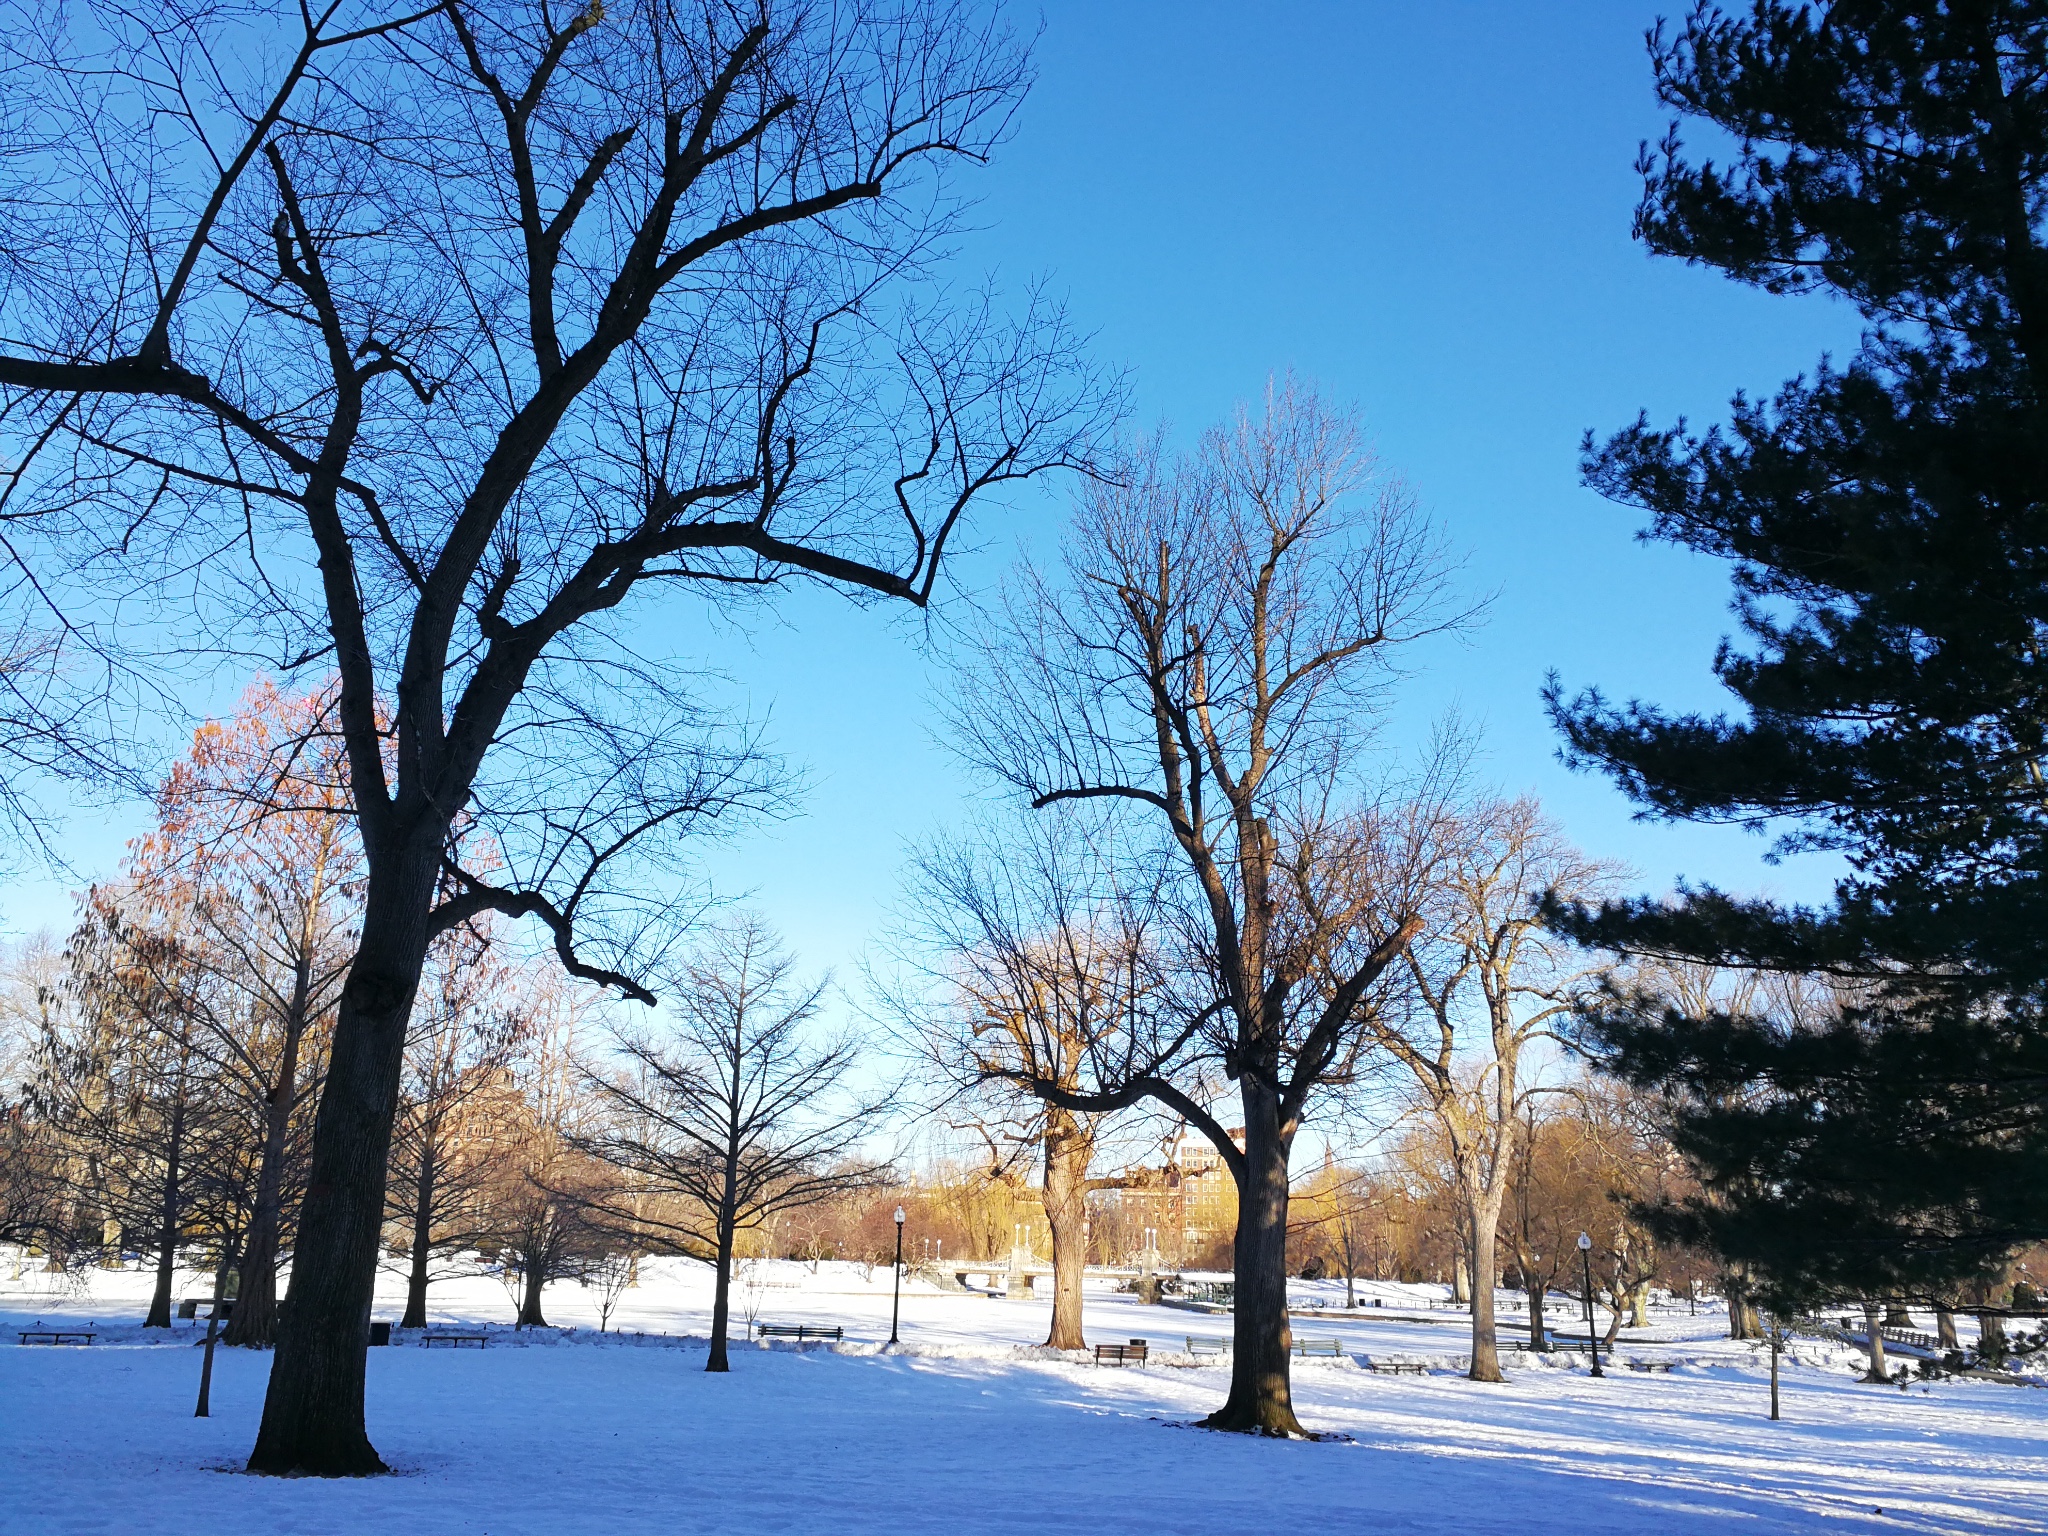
(1425, 209)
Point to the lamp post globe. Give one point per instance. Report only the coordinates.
(896, 1301)
(1586, 1263)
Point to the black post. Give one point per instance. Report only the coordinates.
(220, 1290)
(1592, 1338)
(1777, 1343)
(896, 1303)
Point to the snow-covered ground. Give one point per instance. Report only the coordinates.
(970, 1430)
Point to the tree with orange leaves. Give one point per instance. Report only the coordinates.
(239, 907)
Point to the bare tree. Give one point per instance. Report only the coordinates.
(417, 340)
(254, 861)
(1211, 667)
(37, 1158)
(1542, 1214)
(613, 1275)
(538, 1201)
(1488, 968)
(1041, 953)
(211, 970)
(735, 1114)
(476, 1012)
(128, 1133)
(1338, 1203)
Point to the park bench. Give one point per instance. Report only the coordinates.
(189, 1307)
(1329, 1347)
(798, 1331)
(452, 1340)
(1121, 1354)
(1396, 1367)
(1652, 1365)
(1208, 1346)
(56, 1335)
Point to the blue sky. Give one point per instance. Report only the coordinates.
(1423, 208)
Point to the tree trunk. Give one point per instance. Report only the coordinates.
(1945, 1329)
(168, 1228)
(535, 1277)
(1639, 1305)
(1896, 1315)
(1485, 1347)
(1537, 1291)
(254, 1321)
(255, 1317)
(1743, 1322)
(1068, 1151)
(422, 1239)
(313, 1409)
(1990, 1336)
(1261, 1397)
(1874, 1331)
(1461, 1281)
(721, 1295)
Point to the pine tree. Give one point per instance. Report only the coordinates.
(1885, 525)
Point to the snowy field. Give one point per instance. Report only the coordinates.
(969, 1430)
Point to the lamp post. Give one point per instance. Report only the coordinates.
(896, 1305)
(1586, 1263)
(1778, 1334)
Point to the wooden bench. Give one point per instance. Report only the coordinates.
(189, 1307)
(1121, 1354)
(1330, 1347)
(799, 1331)
(1396, 1367)
(1208, 1346)
(452, 1340)
(57, 1335)
(1652, 1365)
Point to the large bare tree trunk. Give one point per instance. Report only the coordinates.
(313, 1410)
(536, 1277)
(1485, 1345)
(1068, 1151)
(1945, 1329)
(1743, 1322)
(1261, 1397)
(1537, 1291)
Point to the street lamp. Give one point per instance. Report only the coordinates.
(896, 1305)
(1586, 1262)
